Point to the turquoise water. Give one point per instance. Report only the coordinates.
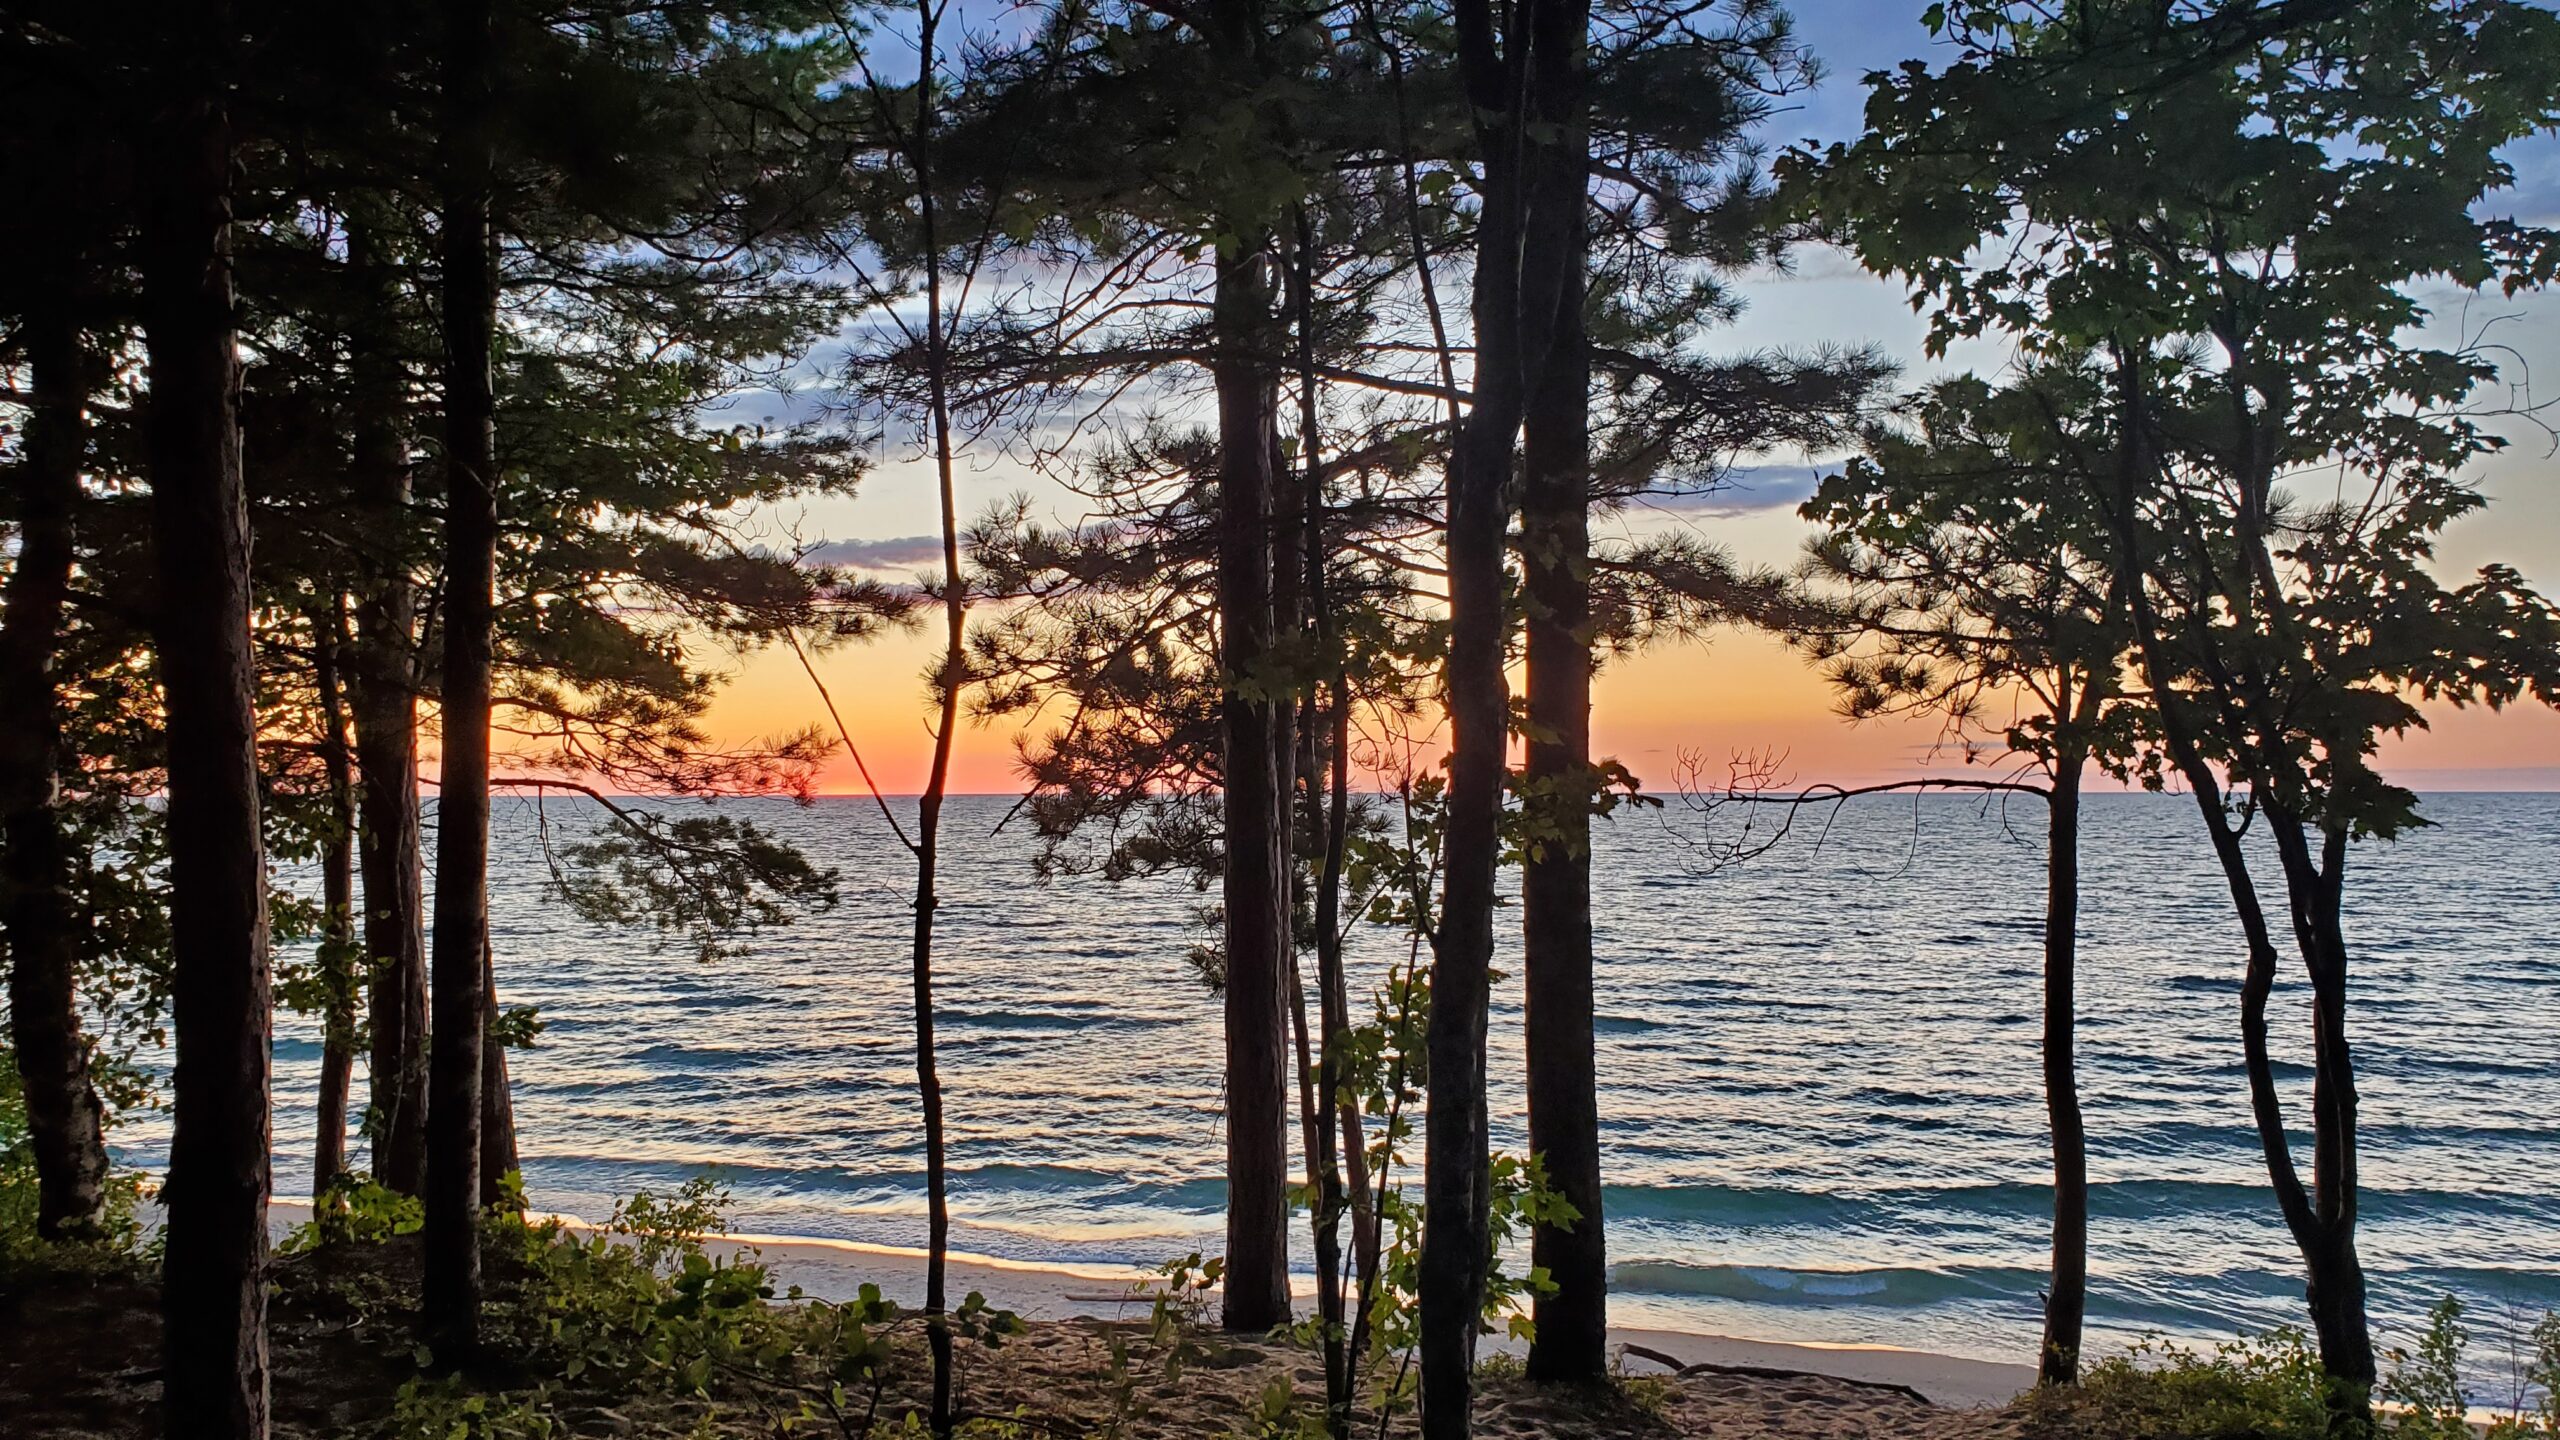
(1820, 1074)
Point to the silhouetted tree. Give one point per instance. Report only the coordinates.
(1522, 72)
(54, 160)
(450, 1313)
(1970, 559)
(2261, 184)
(214, 1276)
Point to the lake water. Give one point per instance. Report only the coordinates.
(1819, 1070)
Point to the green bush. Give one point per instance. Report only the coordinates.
(355, 1210)
(637, 1301)
(2536, 1415)
(2423, 1394)
(2266, 1387)
(2270, 1387)
(117, 1239)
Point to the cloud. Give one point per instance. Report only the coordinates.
(1747, 488)
(905, 552)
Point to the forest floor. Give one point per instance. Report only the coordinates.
(80, 1357)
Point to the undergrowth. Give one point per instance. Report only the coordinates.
(639, 1311)
(2270, 1387)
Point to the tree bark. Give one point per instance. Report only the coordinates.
(214, 1277)
(66, 1124)
(2315, 886)
(451, 1312)
(337, 902)
(1255, 878)
(1572, 1340)
(1332, 1127)
(2067, 1298)
(383, 701)
(1522, 254)
(1457, 1183)
(948, 682)
(498, 1157)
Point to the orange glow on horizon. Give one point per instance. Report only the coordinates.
(1744, 694)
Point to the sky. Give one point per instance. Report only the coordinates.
(1738, 693)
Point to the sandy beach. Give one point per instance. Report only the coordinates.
(837, 1269)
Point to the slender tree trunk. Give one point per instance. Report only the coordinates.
(498, 1158)
(66, 1125)
(214, 1312)
(1255, 879)
(949, 679)
(1333, 986)
(451, 1313)
(1524, 252)
(2316, 890)
(1331, 1125)
(2336, 1278)
(338, 968)
(2067, 1299)
(382, 686)
(1457, 1182)
(1555, 887)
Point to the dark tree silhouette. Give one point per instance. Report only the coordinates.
(382, 684)
(1556, 788)
(65, 1122)
(450, 1310)
(1521, 70)
(214, 1276)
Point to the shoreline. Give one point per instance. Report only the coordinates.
(836, 1270)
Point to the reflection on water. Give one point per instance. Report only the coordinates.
(1820, 1070)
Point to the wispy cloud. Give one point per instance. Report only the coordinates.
(1747, 488)
(904, 552)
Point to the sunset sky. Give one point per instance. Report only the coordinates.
(1741, 692)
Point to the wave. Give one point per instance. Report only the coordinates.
(1748, 1207)
(696, 1057)
(1049, 1022)
(1734, 1205)
(1888, 1286)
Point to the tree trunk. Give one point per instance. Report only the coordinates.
(1457, 1183)
(1334, 991)
(2067, 1299)
(1255, 878)
(382, 686)
(2336, 1289)
(948, 682)
(1320, 1073)
(451, 1312)
(214, 1277)
(337, 959)
(2316, 889)
(1523, 256)
(65, 1123)
(1555, 888)
(498, 1158)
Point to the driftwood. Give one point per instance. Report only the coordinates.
(1763, 1372)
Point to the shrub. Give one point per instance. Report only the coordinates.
(2266, 1387)
(2424, 1391)
(2271, 1387)
(116, 1241)
(2536, 1415)
(355, 1210)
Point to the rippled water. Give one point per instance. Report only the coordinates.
(1819, 1071)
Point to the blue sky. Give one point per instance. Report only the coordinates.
(1823, 298)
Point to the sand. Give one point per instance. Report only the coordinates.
(1709, 1385)
(836, 1269)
